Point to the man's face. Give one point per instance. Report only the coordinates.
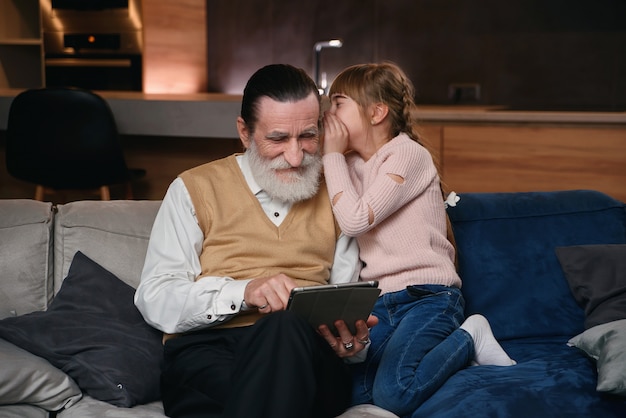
(284, 148)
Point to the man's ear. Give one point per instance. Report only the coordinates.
(379, 112)
(244, 132)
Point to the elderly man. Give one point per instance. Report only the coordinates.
(232, 238)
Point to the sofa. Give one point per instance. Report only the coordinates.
(546, 268)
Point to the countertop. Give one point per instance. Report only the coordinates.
(503, 114)
(213, 115)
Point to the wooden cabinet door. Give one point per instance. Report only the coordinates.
(514, 158)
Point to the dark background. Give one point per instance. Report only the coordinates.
(536, 54)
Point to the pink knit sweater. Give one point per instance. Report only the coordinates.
(406, 243)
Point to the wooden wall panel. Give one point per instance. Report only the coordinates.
(175, 46)
(433, 141)
(244, 36)
(522, 53)
(512, 159)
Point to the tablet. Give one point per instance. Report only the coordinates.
(327, 303)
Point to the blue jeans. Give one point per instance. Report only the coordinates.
(416, 346)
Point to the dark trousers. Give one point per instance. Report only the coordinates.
(277, 368)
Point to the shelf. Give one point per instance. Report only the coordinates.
(20, 41)
(21, 44)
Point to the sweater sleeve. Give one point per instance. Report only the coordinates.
(399, 172)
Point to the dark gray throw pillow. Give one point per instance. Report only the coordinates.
(597, 278)
(94, 333)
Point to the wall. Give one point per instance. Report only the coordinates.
(523, 53)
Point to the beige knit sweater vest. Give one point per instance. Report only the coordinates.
(242, 243)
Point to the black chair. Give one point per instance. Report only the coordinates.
(65, 139)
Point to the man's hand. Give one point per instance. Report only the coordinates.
(269, 294)
(346, 344)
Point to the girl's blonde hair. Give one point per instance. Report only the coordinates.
(383, 82)
(386, 83)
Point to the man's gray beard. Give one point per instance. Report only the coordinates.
(302, 185)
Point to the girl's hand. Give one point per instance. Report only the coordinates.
(336, 134)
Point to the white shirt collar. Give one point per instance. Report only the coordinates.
(275, 209)
(244, 165)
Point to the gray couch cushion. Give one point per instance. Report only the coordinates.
(114, 234)
(92, 408)
(25, 250)
(22, 411)
(28, 379)
(606, 344)
(89, 407)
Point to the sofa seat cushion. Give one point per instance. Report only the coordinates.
(506, 249)
(92, 408)
(367, 411)
(89, 407)
(552, 379)
(93, 332)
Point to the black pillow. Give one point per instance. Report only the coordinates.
(597, 278)
(94, 333)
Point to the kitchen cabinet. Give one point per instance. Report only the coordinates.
(21, 44)
(432, 139)
(533, 158)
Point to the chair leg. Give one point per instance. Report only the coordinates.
(39, 192)
(105, 193)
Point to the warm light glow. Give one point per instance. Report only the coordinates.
(176, 78)
(46, 8)
(134, 15)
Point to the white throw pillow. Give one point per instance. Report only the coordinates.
(606, 343)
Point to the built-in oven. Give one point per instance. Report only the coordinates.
(93, 44)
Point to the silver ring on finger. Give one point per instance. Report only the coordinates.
(364, 341)
(263, 306)
(348, 346)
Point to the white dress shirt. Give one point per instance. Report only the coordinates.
(168, 295)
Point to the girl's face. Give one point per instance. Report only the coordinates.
(349, 113)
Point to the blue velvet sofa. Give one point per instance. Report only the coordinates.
(512, 259)
(511, 274)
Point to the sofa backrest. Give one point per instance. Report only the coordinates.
(114, 234)
(506, 248)
(25, 255)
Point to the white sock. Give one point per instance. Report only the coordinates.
(488, 350)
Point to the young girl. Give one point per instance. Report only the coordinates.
(385, 190)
